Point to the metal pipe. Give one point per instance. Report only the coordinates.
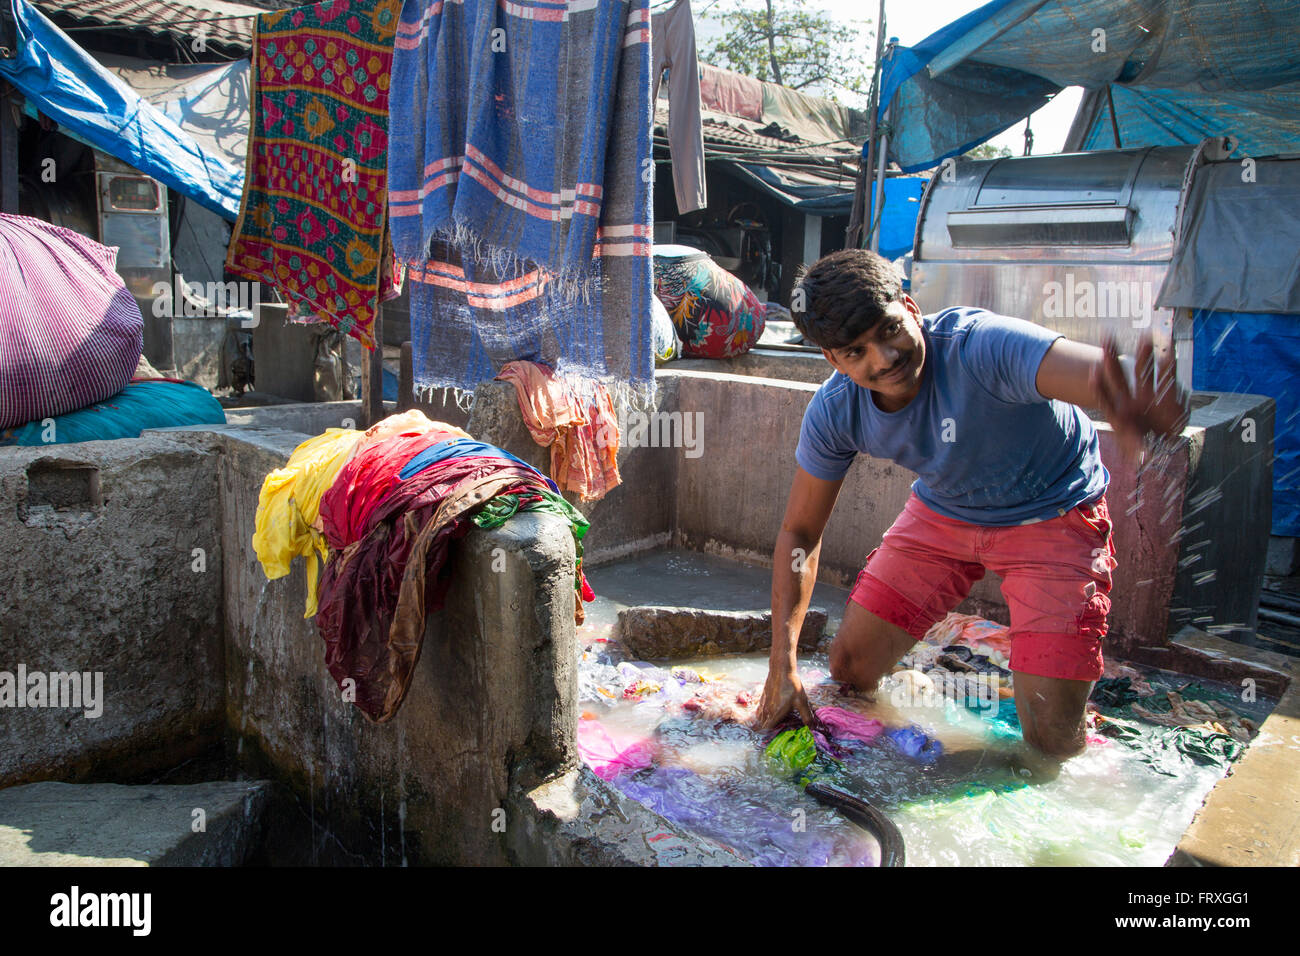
(878, 189)
(1277, 617)
(1114, 123)
(1274, 599)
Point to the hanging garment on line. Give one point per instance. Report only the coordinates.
(376, 592)
(521, 138)
(672, 35)
(289, 505)
(313, 222)
(582, 434)
(731, 93)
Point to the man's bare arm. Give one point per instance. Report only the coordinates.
(1093, 377)
(794, 573)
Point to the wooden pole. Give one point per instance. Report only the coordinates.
(372, 377)
(406, 380)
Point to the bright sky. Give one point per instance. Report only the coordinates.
(912, 21)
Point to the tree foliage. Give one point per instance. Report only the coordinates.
(785, 42)
(987, 151)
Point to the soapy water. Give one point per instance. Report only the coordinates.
(986, 801)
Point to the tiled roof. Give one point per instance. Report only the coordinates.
(228, 24)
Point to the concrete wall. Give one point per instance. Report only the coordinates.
(731, 499)
(308, 418)
(97, 554)
(197, 348)
(787, 365)
(478, 767)
(492, 704)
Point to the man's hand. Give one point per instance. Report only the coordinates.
(1158, 404)
(782, 693)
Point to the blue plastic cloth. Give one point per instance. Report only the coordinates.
(458, 448)
(139, 406)
(1178, 72)
(913, 742)
(1258, 354)
(60, 80)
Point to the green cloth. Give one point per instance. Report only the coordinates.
(497, 511)
(793, 749)
(1168, 750)
(503, 507)
(1114, 692)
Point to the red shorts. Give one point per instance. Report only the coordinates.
(1055, 579)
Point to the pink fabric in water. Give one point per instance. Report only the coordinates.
(609, 755)
(846, 725)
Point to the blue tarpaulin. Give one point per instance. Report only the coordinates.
(901, 207)
(1258, 354)
(63, 82)
(1177, 72)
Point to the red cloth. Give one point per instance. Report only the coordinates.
(365, 481)
(376, 592)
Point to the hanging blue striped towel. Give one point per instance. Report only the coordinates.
(520, 177)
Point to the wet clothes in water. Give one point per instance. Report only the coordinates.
(846, 725)
(610, 753)
(1168, 751)
(759, 834)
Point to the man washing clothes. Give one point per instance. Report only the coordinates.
(986, 410)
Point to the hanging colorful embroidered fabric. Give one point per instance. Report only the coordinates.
(314, 218)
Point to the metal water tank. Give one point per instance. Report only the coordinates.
(1076, 242)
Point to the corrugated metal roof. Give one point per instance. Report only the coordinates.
(227, 24)
(727, 130)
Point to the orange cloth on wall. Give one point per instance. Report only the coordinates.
(582, 435)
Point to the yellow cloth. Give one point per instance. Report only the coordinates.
(289, 506)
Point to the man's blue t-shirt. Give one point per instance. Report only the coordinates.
(989, 449)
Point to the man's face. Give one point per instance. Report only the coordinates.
(889, 357)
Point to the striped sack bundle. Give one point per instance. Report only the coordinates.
(70, 332)
(520, 176)
(314, 218)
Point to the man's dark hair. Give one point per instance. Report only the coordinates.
(843, 295)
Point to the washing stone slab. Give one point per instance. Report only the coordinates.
(108, 824)
(663, 632)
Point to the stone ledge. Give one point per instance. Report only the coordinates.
(106, 824)
(669, 632)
